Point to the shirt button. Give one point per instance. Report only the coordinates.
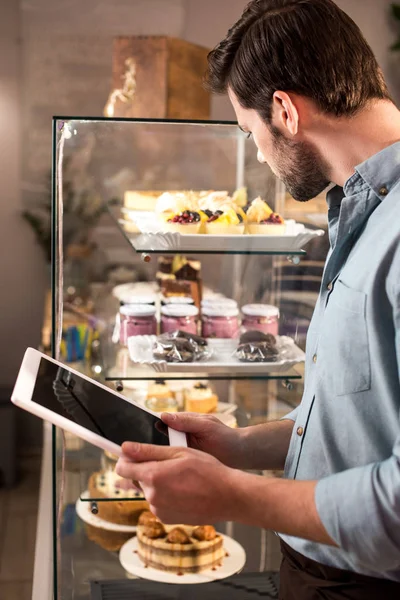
(300, 431)
(383, 191)
(314, 358)
(330, 286)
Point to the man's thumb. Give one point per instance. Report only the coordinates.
(187, 422)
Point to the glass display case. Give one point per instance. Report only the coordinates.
(151, 235)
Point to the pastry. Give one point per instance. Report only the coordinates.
(175, 349)
(200, 399)
(255, 346)
(261, 220)
(179, 548)
(160, 398)
(103, 485)
(108, 540)
(224, 222)
(178, 212)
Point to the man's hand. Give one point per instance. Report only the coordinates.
(182, 485)
(208, 434)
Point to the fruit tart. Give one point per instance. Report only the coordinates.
(261, 220)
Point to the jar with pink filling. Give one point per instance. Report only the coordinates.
(179, 316)
(137, 319)
(220, 321)
(261, 317)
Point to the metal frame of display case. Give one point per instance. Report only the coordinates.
(286, 378)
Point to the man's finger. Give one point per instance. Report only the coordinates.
(148, 452)
(187, 422)
(135, 471)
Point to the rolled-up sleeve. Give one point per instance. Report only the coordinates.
(292, 416)
(360, 508)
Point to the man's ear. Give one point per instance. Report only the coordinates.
(285, 115)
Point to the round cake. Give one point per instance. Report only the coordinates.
(103, 485)
(178, 548)
(200, 399)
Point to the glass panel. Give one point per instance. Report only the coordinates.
(103, 170)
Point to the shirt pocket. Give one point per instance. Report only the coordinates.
(343, 351)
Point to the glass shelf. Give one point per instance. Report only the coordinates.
(286, 376)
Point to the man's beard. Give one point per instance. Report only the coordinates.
(299, 167)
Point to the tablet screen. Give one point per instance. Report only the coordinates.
(94, 408)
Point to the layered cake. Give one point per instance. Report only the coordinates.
(104, 485)
(160, 398)
(200, 399)
(178, 548)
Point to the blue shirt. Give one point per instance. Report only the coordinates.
(347, 427)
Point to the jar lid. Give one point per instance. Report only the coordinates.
(228, 302)
(177, 300)
(179, 310)
(142, 299)
(220, 310)
(138, 310)
(260, 310)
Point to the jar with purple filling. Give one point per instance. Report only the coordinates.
(261, 317)
(176, 300)
(137, 319)
(220, 321)
(179, 316)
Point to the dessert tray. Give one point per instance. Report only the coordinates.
(233, 563)
(222, 357)
(151, 239)
(83, 511)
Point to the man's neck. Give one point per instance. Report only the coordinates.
(346, 142)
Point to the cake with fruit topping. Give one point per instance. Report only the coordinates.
(178, 549)
(200, 399)
(261, 219)
(104, 485)
(224, 222)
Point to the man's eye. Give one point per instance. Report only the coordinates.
(249, 135)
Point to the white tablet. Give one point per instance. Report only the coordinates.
(76, 403)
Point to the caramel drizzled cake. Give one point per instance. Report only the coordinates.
(178, 548)
(103, 485)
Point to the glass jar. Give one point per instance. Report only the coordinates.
(261, 317)
(218, 302)
(176, 300)
(137, 319)
(142, 299)
(220, 321)
(179, 316)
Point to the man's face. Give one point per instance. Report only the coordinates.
(296, 163)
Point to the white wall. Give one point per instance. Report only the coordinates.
(66, 68)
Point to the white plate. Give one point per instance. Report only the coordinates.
(152, 239)
(83, 511)
(221, 361)
(231, 564)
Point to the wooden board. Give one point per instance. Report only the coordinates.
(169, 75)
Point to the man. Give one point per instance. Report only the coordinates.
(305, 84)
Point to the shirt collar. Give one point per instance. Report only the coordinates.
(381, 172)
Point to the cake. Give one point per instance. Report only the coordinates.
(261, 219)
(200, 399)
(103, 485)
(178, 549)
(160, 398)
(106, 539)
(224, 222)
(256, 346)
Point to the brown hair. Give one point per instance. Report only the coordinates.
(310, 47)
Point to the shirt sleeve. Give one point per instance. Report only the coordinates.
(360, 508)
(292, 416)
